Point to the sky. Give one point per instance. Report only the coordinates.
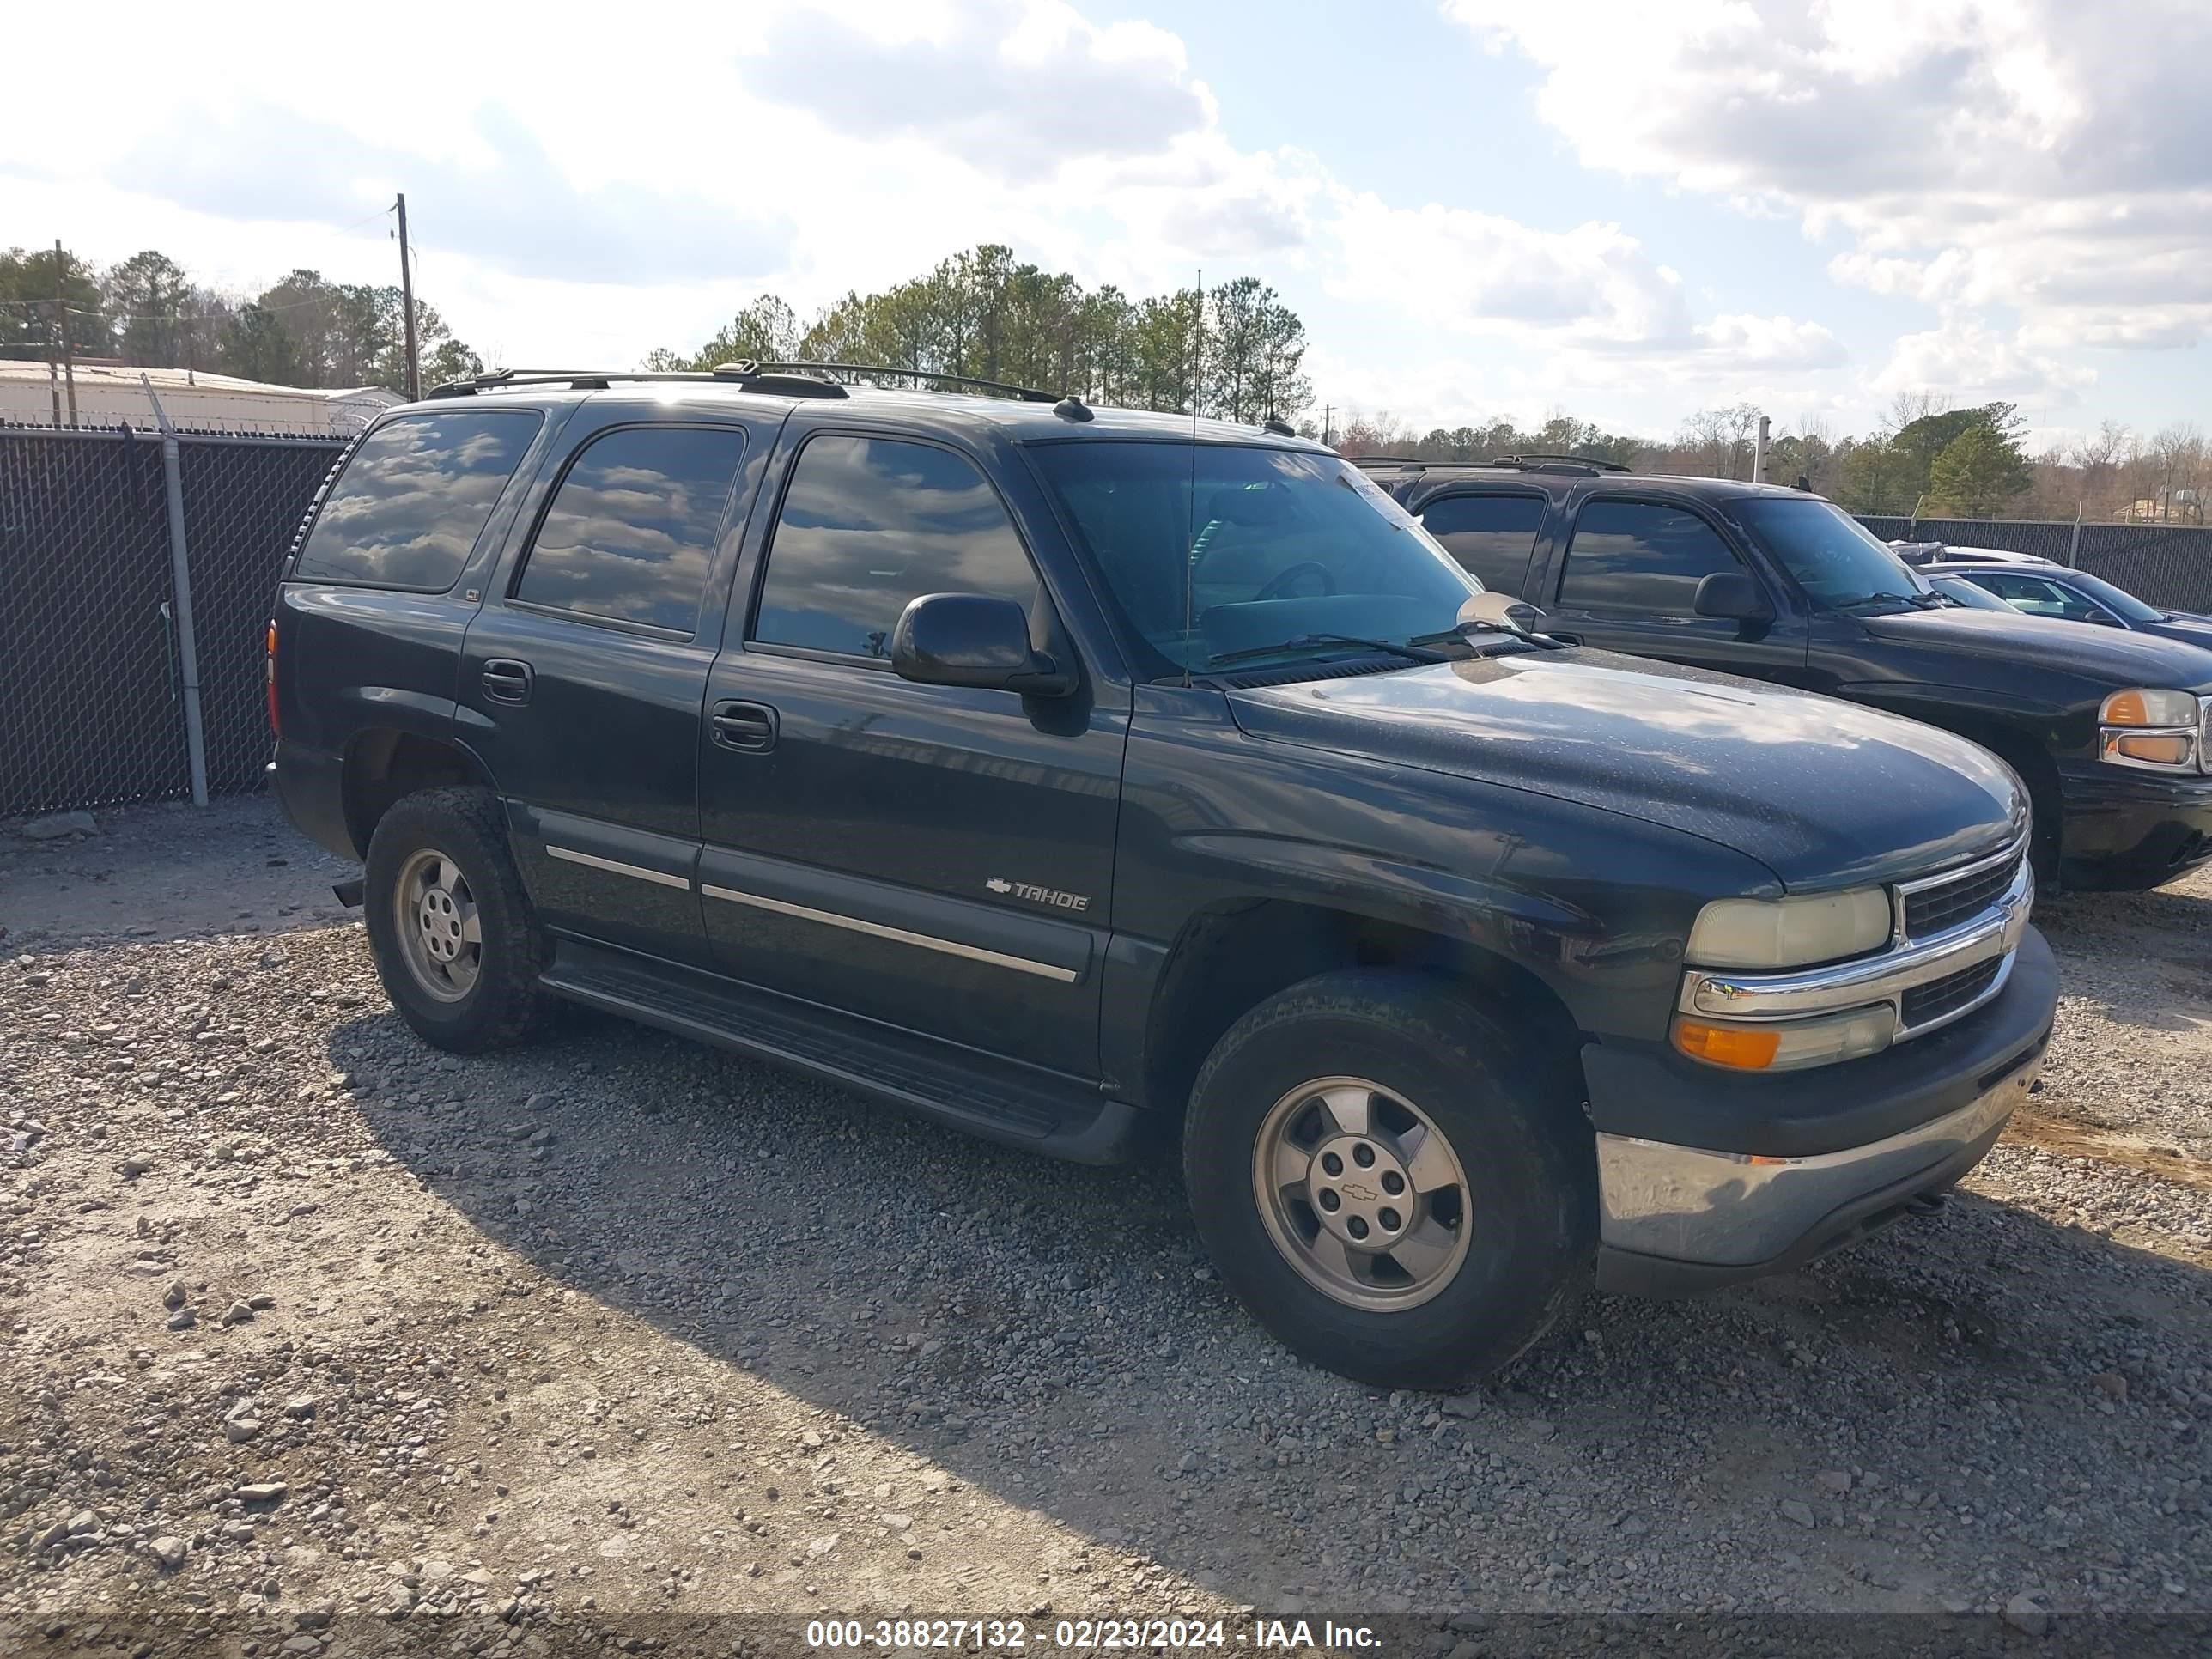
(1481, 208)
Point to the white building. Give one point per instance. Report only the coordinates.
(112, 394)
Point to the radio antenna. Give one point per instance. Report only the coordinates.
(1190, 531)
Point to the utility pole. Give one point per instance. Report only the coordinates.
(407, 300)
(1758, 454)
(61, 315)
(1326, 410)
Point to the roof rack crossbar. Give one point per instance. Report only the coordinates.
(1028, 394)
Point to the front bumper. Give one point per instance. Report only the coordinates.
(1750, 1177)
(2126, 831)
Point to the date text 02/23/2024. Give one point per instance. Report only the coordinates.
(1089, 1635)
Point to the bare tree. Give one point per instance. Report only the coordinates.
(1722, 438)
(2099, 457)
(2178, 452)
(1906, 407)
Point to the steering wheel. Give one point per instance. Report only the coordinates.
(1278, 587)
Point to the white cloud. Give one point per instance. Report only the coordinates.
(1016, 89)
(1971, 363)
(2048, 155)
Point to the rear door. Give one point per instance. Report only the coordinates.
(371, 615)
(583, 673)
(1492, 533)
(937, 858)
(1628, 582)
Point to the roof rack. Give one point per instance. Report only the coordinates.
(752, 377)
(1028, 394)
(1535, 462)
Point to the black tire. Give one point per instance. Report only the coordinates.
(1512, 1119)
(504, 1004)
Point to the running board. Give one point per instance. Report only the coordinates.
(1022, 1106)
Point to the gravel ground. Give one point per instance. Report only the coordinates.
(2132, 1056)
(306, 1322)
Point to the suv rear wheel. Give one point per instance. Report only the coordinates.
(1391, 1185)
(455, 941)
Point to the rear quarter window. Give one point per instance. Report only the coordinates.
(413, 499)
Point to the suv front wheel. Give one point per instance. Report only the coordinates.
(1391, 1185)
(456, 943)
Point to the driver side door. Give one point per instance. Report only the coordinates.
(937, 858)
(1628, 582)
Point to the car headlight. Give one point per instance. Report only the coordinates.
(2154, 730)
(1791, 932)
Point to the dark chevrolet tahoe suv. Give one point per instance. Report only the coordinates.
(2112, 732)
(1070, 775)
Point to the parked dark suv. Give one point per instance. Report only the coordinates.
(1080, 776)
(2112, 732)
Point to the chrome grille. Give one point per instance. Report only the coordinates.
(1931, 906)
(1950, 994)
(2204, 735)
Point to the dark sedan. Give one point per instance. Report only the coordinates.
(2054, 590)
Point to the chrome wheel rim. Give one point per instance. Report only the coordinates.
(1361, 1192)
(434, 918)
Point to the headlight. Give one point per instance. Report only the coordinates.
(2155, 731)
(1785, 1045)
(2141, 707)
(1791, 932)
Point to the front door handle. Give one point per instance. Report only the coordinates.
(1564, 639)
(749, 727)
(507, 680)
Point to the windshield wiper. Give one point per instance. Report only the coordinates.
(1409, 652)
(1460, 630)
(1917, 601)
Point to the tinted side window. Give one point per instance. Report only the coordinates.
(414, 498)
(871, 523)
(1490, 536)
(2038, 598)
(632, 528)
(1637, 555)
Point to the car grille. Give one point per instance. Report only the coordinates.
(1949, 995)
(1932, 909)
(2204, 736)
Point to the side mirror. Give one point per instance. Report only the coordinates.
(973, 640)
(1732, 596)
(2102, 618)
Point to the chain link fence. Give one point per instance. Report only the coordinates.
(2168, 565)
(92, 706)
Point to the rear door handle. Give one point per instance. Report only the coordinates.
(749, 727)
(507, 680)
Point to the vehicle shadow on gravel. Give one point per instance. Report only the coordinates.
(1049, 1332)
(2135, 955)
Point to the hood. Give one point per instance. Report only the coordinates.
(1824, 793)
(2185, 627)
(2111, 654)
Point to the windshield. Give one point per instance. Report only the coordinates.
(2117, 601)
(1277, 546)
(1959, 588)
(1835, 559)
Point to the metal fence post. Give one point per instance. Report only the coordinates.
(180, 576)
(2073, 547)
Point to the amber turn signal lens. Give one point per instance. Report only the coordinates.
(1747, 1049)
(2163, 752)
(2126, 709)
